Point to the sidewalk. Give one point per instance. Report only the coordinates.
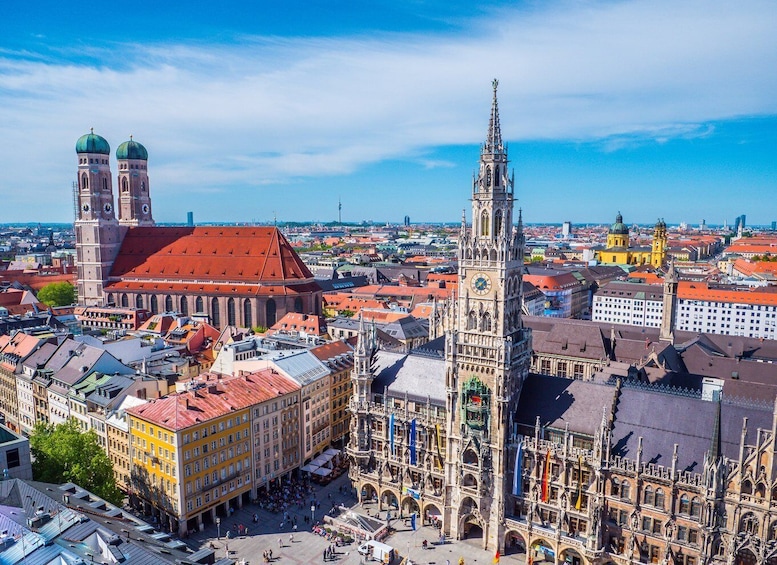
(306, 547)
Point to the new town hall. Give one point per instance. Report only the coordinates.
(604, 470)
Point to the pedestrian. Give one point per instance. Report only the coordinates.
(325, 555)
(291, 539)
(280, 543)
(294, 527)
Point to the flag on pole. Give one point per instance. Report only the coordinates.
(391, 433)
(545, 477)
(517, 483)
(413, 458)
(412, 521)
(496, 557)
(579, 502)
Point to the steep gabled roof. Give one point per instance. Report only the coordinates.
(169, 258)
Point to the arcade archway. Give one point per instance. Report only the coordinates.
(515, 544)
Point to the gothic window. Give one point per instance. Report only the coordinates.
(231, 312)
(685, 505)
(748, 524)
(498, 222)
(270, 311)
(247, 315)
(696, 508)
(124, 185)
(153, 305)
(496, 176)
(615, 488)
(747, 487)
(484, 223)
(124, 301)
(472, 320)
(214, 312)
(486, 326)
(168, 303)
(298, 305)
(110, 299)
(142, 186)
(488, 176)
(659, 499)
(470, 457)
(625, 489)
(760, 490)
(105, 183)
(139, 301)
(649, 497)
(84, 182)
(198, 305)
(184, 306)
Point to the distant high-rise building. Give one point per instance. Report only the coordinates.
(703, 225)
(407, 220)
(190, 219)
(566, 229)
(743, 221)
(774, 226)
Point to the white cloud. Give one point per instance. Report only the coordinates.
(269, 109)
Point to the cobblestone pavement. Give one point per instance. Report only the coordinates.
(304, 547)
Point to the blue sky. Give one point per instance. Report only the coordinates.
(250, 110)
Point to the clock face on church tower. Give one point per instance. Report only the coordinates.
(481, 283)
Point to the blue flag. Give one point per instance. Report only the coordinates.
(391, 433)
(412, 521)
(517, 482)
(413, 459)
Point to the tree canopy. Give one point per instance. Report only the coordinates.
(65, 453)
(57, 294)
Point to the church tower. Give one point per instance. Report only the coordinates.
(669, 314)
(134, 197)
(488, 350)
(618, 235)
(98, 234)
(658, 248)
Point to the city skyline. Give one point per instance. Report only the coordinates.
(649, 108)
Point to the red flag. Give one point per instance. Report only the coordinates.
(496, 557)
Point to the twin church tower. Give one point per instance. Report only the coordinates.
(99, 232)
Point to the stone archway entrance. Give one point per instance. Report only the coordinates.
(389, 501)
(515, 544)
(745, 557)
(368, 493)
(572, 557)
(542, 551)
(410, 506)
(471, 528)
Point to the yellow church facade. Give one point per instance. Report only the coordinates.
(619, 251)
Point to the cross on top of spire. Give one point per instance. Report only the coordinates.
(494, 138)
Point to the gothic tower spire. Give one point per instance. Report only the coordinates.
(494, 137)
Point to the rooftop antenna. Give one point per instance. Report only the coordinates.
(274, 219)
(339, 211)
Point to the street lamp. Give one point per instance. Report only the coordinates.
(312, 514)
(218, 527)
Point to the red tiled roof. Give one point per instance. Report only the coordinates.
(331, 349)
(243, 260)
(216, 398)
(701, 291)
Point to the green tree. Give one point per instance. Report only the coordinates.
(57, 294)
(65, 453)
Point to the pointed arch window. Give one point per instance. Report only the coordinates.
(84, 181)
(488, 176)
(124, 301)
(153, 305)
(270, 313)
(168, 303)
(215, 318)
(696, 508)
(231, 321)
(124, 185)
(685, 505)
(199, 307)
(105, 183)
(496, 176)
(248, 319)
(659, 499)
(497, 222)
(484, 221)
(184, 306)
(142, 186)
(649, 497)
(472, 321)
(139, 301)
(486, 322)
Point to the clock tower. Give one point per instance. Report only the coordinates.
(487, 352)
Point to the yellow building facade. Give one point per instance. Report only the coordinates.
(619, 251)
